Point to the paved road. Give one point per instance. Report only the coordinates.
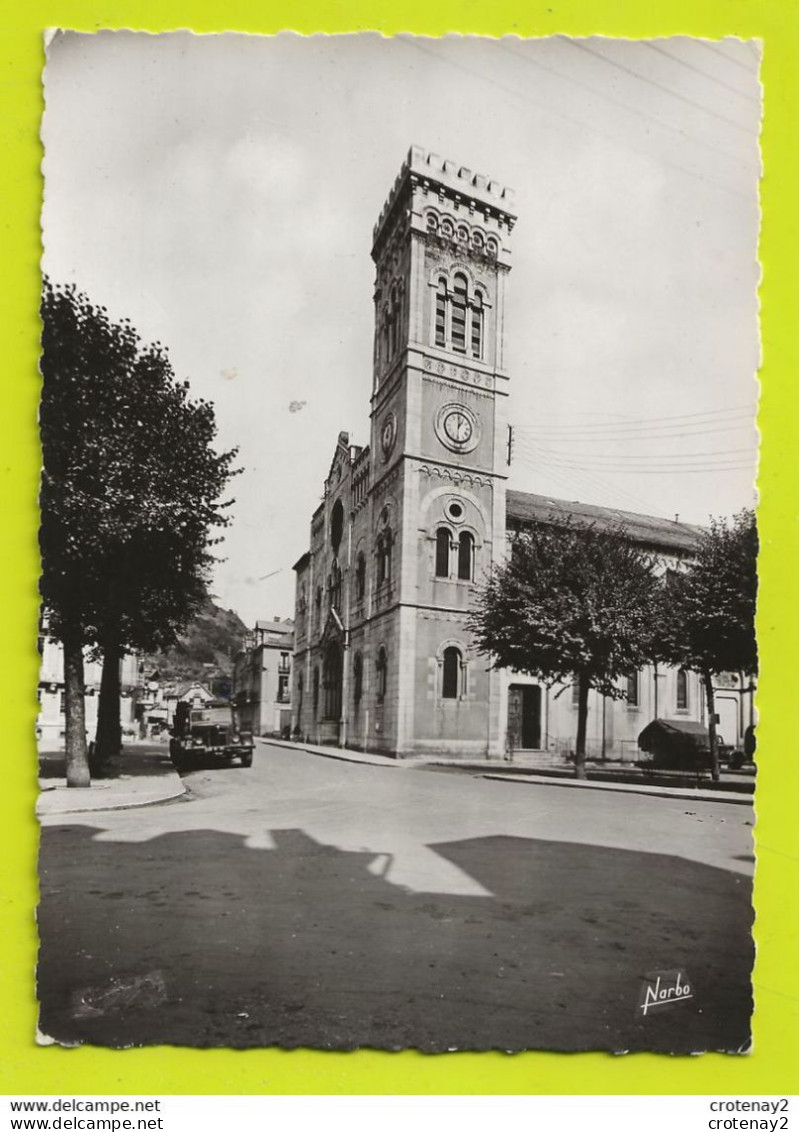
(311, 902)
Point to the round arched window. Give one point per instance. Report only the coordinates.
(336, 524)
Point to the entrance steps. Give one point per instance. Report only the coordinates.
(538, 760)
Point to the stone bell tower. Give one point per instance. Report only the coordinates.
(439, 441)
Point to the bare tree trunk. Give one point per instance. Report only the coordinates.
(108, 738)
(582, 726)
(707, 679)
(75, 711)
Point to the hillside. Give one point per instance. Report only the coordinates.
(207, 648)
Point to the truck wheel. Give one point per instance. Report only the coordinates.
(246, 760)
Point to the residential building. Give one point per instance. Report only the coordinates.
(51, 722)
(262, 678)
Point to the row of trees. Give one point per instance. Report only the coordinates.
(586, 606)
(131, 495)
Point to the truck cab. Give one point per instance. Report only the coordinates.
(208, 733)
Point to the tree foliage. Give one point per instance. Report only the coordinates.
(707, 621)
(131, 484)
(571, 604)
(707, 616)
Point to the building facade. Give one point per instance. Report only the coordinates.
(262, 678)
(412, 523)
(51, 720)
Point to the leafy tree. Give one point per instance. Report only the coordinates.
(130, 492)
(571, 604)
(707, 617)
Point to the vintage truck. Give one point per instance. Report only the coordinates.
(207, 734)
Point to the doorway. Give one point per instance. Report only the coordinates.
(524, 717)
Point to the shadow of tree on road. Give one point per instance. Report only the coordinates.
(193, 938)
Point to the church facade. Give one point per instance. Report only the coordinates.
(411, 524)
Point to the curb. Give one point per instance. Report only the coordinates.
(629, 788)
(529, 778)
(43, 811)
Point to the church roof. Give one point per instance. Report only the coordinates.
(648, 530)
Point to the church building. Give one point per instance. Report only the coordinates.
(410, 525)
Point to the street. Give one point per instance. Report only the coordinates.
(309, 901)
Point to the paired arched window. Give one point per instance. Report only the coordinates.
(382, 674)
(459, 316)
(452, 674)
(385, 545)
(464, 551)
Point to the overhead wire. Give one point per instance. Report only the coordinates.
(532, 456)
(711, 46)
(735, 410)
(619, 102)
(658, 86)
(409, 41)
(699, 71)
(586, 435)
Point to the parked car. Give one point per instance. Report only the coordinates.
(208, 733)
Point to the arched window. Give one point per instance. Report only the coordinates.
(477, 325)
(432, 223)
(632, 688)
(315, 690)
(384, 549)
(336, 525)
(318, 603)
(459, 299)
(443, 539)
(392, 325)
(382, 674)
(357, 678)
(299, 695)
(451, 674)
(360, 578)
(682, 690)
(463, 235)
(441, 313)
(466, 556)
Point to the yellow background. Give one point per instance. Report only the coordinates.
(772, 1067)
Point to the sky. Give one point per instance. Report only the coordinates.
(220, 192)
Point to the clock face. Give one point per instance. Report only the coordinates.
(388, 434)
(458, 427)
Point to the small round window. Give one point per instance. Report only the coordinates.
(455, 511)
